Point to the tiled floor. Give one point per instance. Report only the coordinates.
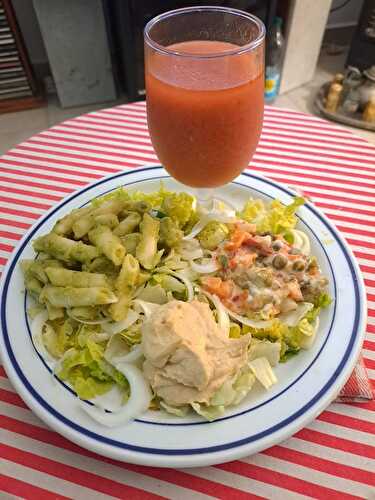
(17, 127)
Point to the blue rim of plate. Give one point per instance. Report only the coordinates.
(356, 279)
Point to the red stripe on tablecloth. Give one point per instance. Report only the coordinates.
(11, 236)
(2, 372)
(294, 163)
(368, 344)
(371, 312)
(285, 481)
(139, 157)
(346, 421)
(25, 192)
(364, 255)
(179, 478)
(14, 223)
(12, 398)
(356, 209)
(90, 132)
(28, 182)
(68, 172)
(320, 145)
(370, 364)
(21, 213)
(25, 203)
(6, 248)
(320, 154)
(321, 464)
(27, 490)
(368, 405)
(331, 196)
(75, 164)
(74, 475)
(347, 445)
(3, 261)
(360, 243)
(369, 282)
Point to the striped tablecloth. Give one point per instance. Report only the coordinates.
(331, 458)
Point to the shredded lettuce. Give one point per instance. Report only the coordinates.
(178, 411)
(265, 349)
(274, 217)
(232, 392)
(179, 206)
(263, 372)
(213, 234)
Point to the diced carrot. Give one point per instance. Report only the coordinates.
(238, 237)
(295, 291)
(217, 286)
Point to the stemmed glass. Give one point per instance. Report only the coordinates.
(204, 71)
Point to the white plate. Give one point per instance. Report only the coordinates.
(307, 383)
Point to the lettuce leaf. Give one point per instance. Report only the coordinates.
(88, 372)
(179, 207)
(232, 392)
(274, 217)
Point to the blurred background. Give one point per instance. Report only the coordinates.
(59, 59)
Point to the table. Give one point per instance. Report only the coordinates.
(332, 457)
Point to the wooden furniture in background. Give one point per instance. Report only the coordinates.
(18, 87)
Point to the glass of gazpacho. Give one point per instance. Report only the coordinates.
(204, 71)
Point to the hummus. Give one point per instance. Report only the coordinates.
(188, 357)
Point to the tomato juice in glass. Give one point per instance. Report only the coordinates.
(204, 89)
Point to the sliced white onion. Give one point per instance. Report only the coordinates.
(190, 249)
(87, 321)
(118, 352)
(292, 318)
(147, 308)
(222, 315)
(111, 400)
(197, 228)
(301, 241)
(138, 402)
(186, 282)
(37, 335)
(209, 266)
(119, 326)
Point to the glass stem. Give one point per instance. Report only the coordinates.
(204, 197)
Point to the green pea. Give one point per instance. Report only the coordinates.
(279, 261)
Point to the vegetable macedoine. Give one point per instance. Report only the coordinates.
(104, 269)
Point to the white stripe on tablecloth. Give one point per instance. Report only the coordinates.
(98, 152)
(315, 158)
(50, 483)
(95, 142)
(340, 431)
(245, 484)
(309, 474)
(369, 355)
(98, 467)
(329, 453)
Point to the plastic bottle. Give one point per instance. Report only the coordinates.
(274, 53)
